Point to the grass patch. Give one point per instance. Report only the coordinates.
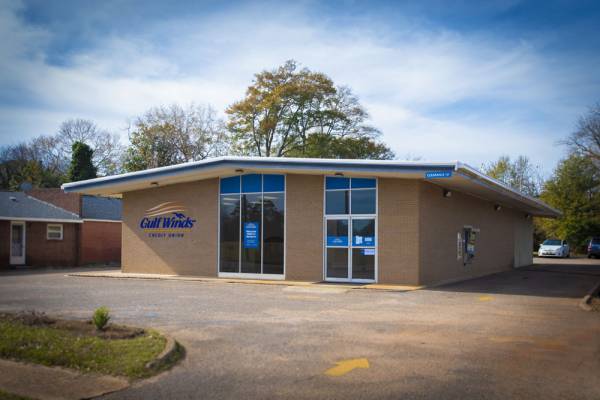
(54, 346)
(9, 396)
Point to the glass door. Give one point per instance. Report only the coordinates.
(362, 261)
(350, 249)
(350, 226)
(337, 244)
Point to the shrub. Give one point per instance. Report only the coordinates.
(101, 318)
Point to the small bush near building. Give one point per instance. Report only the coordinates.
(101, 318)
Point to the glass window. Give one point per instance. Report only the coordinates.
(337, 232)
(54, 232)
(363, 232)
(273, 221)
(552, 242)
(336, 202)
(360, 199)
(251, 233)
(252, 224)
(332, 182)
(273, 183)
(251, 183)
(230, 234)
(337, 262)
(363, 263)
(230, 185)
(363, 183)
(363, 201)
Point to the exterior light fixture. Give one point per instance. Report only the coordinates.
(497, 207)
(447, 193)
(154, 184)
(338, 174)
(239, 171)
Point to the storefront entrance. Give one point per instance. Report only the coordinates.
(350, 230)
(350, 250)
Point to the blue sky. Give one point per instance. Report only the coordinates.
(443, 80)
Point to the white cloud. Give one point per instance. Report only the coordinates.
(403, 75)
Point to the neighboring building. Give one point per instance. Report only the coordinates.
(315, 219)
(47, 227)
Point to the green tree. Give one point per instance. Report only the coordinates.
(172, 134)
(82, 166)
(575, 190)
(520, 174)
(33, 162)
(320, 145)
(284, 107)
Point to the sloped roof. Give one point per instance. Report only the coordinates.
(19, 206)
(453, 175)
(107, 208)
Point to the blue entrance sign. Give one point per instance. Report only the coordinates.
(358, 240)
(251, 235)
(337, 240)
(438, 174)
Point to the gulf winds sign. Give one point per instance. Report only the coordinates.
(167, 220)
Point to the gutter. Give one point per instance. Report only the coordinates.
(57, 220)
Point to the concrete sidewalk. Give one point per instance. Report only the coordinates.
(41, 382)
(345, 286)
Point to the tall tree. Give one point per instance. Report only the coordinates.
(320, 145)
(574, 189)
(520, 174)
(82, 166)
(33, 162)
(284, 107)
(106, 146)
(586, 138)
(172, 134)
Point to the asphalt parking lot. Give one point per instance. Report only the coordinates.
(514, 335)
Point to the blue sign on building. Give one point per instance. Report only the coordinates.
(251, 235)
(438, 174)
(358, 240)
(337, 240)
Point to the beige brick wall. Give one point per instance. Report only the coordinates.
(304, 228)
(442, 218)
(398, 229)
(195, 253)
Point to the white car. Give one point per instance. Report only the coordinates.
(554, 248)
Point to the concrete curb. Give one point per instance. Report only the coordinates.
(585, 303)
(171, 347)
(121, 275)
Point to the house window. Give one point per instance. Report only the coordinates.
(54, 232)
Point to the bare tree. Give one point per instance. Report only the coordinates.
(107, 147)
(520, 174)
(586, 139)
(172, 134)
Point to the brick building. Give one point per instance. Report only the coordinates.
(314, 219)
(47, 227)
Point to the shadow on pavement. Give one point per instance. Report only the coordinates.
(568, 278)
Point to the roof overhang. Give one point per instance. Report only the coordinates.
(459, 177)
(56, 220)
